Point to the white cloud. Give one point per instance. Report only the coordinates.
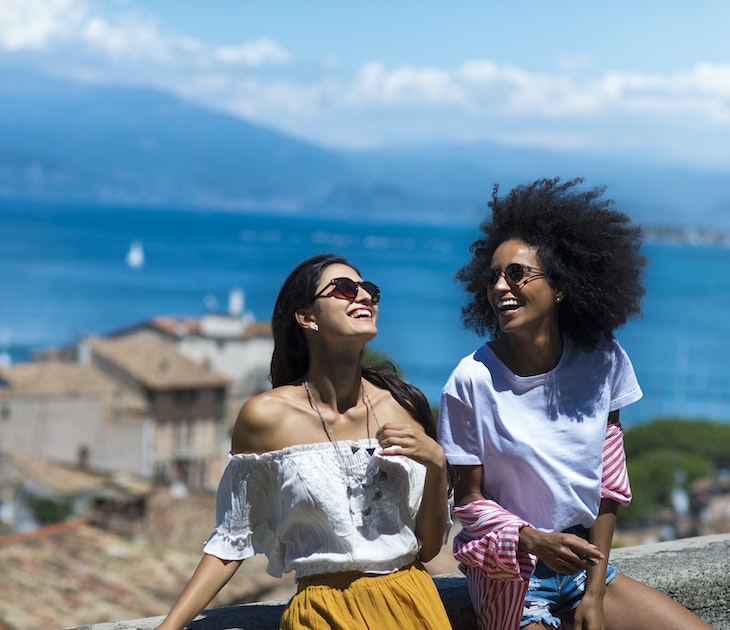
(258, 53)
(405, 85)
(35, 24)
(376, 103)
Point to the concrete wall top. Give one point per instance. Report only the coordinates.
(693, 571)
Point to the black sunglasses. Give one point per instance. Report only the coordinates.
(514, 273)
(347, 289)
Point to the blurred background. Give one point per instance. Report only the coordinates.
(164, 165)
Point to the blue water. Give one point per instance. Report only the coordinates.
(63, 273)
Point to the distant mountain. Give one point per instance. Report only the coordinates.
(465, 175)
(66, 140)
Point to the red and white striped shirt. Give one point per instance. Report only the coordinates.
(487, 547)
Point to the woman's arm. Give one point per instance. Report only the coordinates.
(589, 612)
(210, 577)
(467, 484)
(433, 516)
(432, 520)
(493, 536)
(615, 490)
(490, 535)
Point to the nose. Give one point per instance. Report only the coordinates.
(501, 284)
(362, 295)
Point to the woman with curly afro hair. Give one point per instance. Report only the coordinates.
(530, 421)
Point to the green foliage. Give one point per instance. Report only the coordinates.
(46, 511)
(710, 439)
(654, 474)
(670, 453)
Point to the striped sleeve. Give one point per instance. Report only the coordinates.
(498, 604)
(489, 540)
(615, 482)
(497, 571)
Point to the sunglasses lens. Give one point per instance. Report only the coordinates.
(345, 287)
(514, 272)
(372, 289)
(490, 278)
(348, 289)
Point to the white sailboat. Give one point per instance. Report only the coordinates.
(135, 255)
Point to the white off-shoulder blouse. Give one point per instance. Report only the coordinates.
(319, 508)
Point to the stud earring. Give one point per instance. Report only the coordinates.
(558, 298)
(315, 328)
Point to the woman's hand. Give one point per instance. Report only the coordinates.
(411, 441)
(564, 553)
(589, 614)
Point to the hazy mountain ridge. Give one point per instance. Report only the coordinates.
(69, 141)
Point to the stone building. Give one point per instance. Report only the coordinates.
(129, 405)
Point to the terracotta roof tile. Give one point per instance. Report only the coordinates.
(181, 326)
(53, 378)
(156, 363)
(75, 575)
(58, 479)
(65, 378)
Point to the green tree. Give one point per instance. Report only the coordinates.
(669, 453)
(46, 511)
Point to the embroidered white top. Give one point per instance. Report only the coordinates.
(319, 508)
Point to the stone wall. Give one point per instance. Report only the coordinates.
(693, 571)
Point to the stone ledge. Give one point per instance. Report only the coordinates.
(693, 571)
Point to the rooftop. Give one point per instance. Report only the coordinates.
(74, 574)
(177, 327)
(155, 363)
(57, 479)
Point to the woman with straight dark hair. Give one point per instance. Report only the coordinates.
(334, 474)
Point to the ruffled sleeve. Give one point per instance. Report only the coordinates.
(244, 517)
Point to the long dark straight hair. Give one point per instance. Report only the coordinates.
(290, 359)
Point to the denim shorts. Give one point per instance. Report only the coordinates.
(550, 593)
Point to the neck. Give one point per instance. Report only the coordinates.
(338, 387)
(528, 358)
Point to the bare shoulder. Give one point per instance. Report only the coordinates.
(261, 420)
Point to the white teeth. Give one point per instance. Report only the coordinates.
(361, 312)
(506, 304)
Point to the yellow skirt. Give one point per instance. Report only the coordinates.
(404, 600)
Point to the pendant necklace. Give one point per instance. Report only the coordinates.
(328, 429)
(363, 491)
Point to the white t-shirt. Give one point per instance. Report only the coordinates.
(319, 508)
(540, 438)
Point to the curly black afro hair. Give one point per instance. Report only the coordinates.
(589, 250)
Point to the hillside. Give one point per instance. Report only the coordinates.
(72, 141)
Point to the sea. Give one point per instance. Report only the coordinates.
(70, 269)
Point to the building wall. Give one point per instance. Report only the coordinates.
(72, 430)
(58, 428)
(244, 361)
(193, 451)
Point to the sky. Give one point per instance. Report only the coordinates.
(648, 79)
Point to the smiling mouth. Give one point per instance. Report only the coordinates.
(507, 305)
(362, 313)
